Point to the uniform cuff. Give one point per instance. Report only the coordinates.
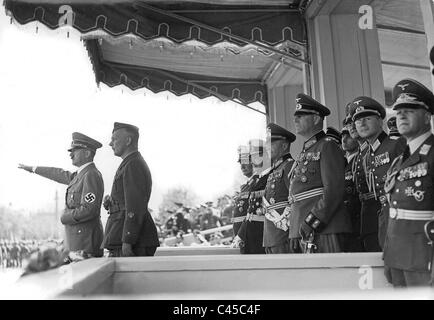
(314, 222)
(34, 169)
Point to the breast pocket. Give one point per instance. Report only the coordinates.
(118, 185)
(73, 199)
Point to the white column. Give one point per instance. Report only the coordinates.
(345, 60)
(282, 107)
(427, 8)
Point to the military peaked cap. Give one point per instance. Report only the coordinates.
(129, 127)
(345, 131)
(279, 133)
(80, 141)
(308, 105)
(334, 134)
(367, 106)
(409, 93)
(391, 125)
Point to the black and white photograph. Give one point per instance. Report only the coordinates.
(216, 152)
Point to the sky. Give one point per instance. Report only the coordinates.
(48, 91)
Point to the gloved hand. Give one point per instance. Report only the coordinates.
(25, 167)
(237, 242)
(107, 202)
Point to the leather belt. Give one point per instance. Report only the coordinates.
(115, 208)
(295, 198)
(371, 195)
(366, 196)
(238, 219)
(252, 217)
(404, 214)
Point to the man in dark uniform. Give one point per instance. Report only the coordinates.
(383, 150)
(275, 201)
(241, 199)
(81, 217)
(393, 130)
(358, 172)
(410, 189)
(318, 222)
(130, 229)
(352, 202)
(252, 228)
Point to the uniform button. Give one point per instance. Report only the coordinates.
(128, 232)
(397, 190)
(395, 203)
(79, 231)
(373, 170)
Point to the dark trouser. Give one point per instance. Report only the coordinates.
(354, 243)
(253, 238)
(403, 278)
(369, 225)
(252, 248)
(139, 252)
(281, 248)
(370, 243)
(383, 219)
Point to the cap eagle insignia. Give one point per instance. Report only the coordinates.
(402, 86)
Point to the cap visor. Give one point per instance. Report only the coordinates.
(365, 113)
(410, 106)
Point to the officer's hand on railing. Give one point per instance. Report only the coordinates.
(107, 202)
(24, 167)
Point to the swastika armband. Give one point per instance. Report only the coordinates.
(314, 222)
(89, 197)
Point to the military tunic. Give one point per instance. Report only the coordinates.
(81, 217)
(352, 204)
(376, 162)
(276, 192)
(129, 218)
(317, 190)
(252, 228)
(241, 204)
(410, 188)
